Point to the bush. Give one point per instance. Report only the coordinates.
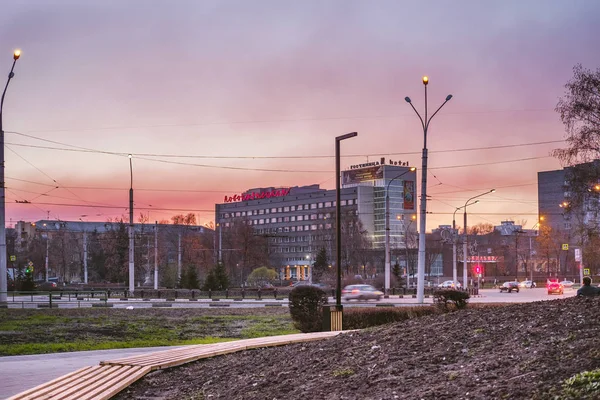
(443, 298)
(306, 308)
(359, 318)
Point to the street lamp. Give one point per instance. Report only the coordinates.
(338, 216)
(131, 241)
(454, 240)
(412, 219)
(465, 254)
(387, 229)
(425, 123)
(3, 280)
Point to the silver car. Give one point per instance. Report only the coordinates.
(361, 292)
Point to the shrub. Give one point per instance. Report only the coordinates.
(450, 296)
(306, 308)
(585, 385)
(359, 318)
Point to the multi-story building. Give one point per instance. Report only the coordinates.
(299, 220)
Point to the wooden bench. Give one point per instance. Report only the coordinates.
(103, 381)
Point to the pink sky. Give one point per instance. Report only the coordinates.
(275, 82)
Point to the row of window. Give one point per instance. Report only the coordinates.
(293, 249)
(300, 207)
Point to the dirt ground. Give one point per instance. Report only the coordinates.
(520, 351)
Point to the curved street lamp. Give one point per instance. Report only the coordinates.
(3, 279)
(466, 237)
(423, 223)
(387, 229)
(131, 233)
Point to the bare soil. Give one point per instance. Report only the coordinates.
(519, 351)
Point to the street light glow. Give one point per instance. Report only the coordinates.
(425, 80)
(130, 155)
(412, 169)
(17, 54)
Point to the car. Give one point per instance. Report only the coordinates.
(361, 292)
(555, 288)
(42, 285)
(449, 285)
(527, 284)
(567, 284)
(509, 287)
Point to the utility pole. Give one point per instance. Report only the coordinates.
(155, 255)
(85, 258)
(179, 257)
(47, 248)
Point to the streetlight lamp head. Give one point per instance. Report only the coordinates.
(476, 201)
(17, 54)
(407, 99)
(412, 169)
(448, 97)
(130, 155)
(413, 217)
(425, 80)
(492, 191)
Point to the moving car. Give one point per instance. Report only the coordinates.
(509, 287)
(555, 287)
(449, 285)
(527, 284)
(361, 292)
(567, 283)
(43, 285)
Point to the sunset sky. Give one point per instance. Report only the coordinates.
(216, 97)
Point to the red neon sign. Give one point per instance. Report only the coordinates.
(257, 196)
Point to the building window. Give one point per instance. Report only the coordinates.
(261, 211)
(292, 208)
(293, 229)
(273, 210)
(300, 207)
(306, 227)
(280, 219)
(293, 218)
(300, 228)
(238, 214)
(279, 209)
(273, 220)
(343, 203)
(327, 226)
(313, 206)
(286, 219)
(286, 228)
(313, 227)
(313, 217)
(320, 205)
(286, 209)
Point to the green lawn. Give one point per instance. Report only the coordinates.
(60, 330)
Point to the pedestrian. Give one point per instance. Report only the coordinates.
(587, 289)
(482, 282)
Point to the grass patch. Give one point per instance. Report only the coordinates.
(343, 372)
(60, 330)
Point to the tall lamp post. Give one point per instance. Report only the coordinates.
(387, 229)
(454, 240)
(338, 218)
(423, 223)
(412, 219)
(3, 280)
(465, 247)
(131, 233)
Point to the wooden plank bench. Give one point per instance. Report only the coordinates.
(110, 377)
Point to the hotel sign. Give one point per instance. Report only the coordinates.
(380, 162)
(257, 195)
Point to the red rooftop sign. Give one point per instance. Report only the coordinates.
(257, 195)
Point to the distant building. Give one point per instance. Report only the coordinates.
(295, 218)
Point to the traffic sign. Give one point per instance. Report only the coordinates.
(565, 246)
(586, 271)
(13, 258)
(577, 254)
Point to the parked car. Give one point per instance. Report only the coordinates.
(361, 292)
(555, 288)
(567, 284)
(450, 285)
(527, 284)
(509, 287)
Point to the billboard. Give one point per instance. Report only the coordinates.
(362, 175)
(409, 195)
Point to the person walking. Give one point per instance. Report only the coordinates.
(587, 289)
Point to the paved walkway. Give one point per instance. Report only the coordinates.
(110, 377)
